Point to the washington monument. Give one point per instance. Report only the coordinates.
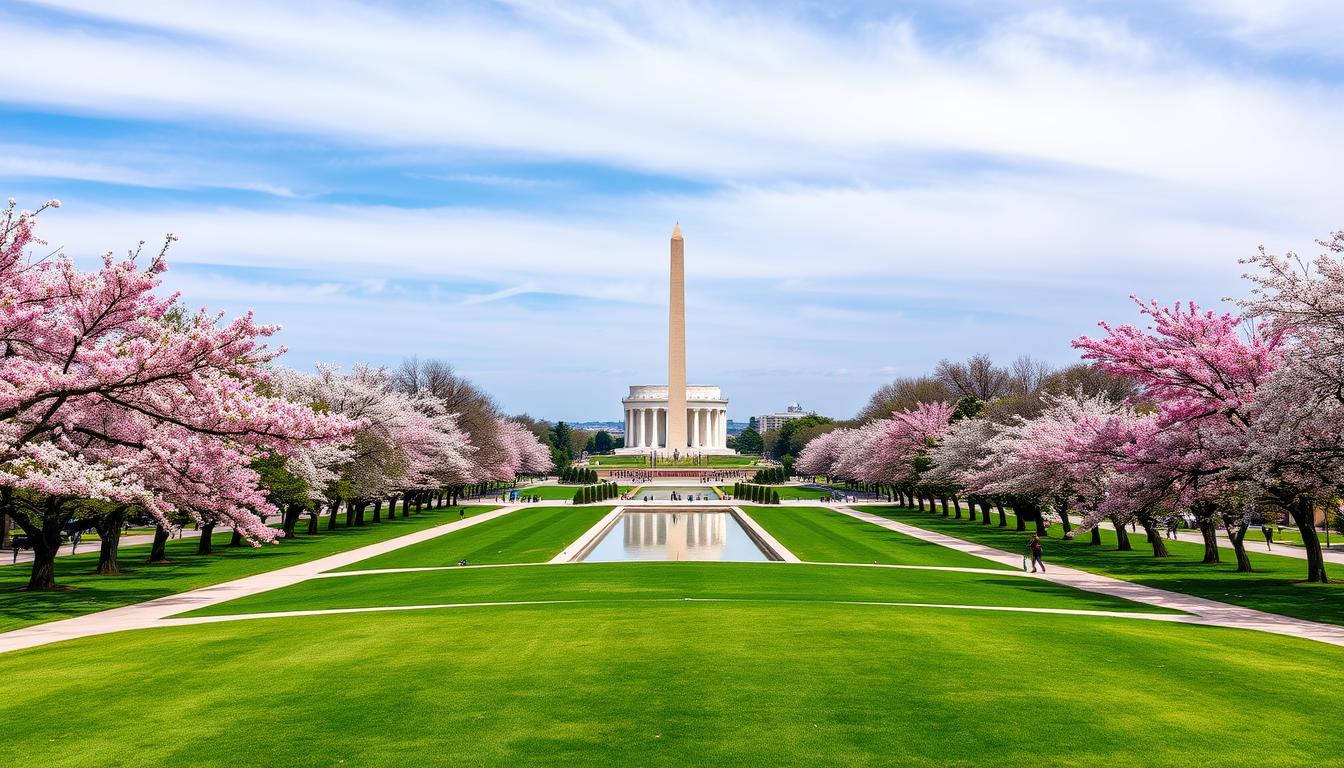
(676, 418)
(676, 344)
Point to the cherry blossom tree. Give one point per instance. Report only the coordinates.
(958, 457)
(820, 454)
(1220, 392)
(111, 394)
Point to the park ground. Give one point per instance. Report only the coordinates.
(880, 649)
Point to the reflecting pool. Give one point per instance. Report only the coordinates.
(674, 493)
(675, 535)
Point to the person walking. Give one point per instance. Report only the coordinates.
(1034, 547)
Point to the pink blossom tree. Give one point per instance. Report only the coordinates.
(110, 394)
(1210, 383)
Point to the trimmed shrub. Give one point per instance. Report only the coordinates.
(578, 496)
(774, 497)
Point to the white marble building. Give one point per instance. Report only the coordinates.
(646, 414)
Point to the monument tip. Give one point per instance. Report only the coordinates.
(676, 231)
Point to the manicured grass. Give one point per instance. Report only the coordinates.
(790, 492)
(558, 492)
(87, 592)
(675, 684)
(621, 462)
(660, 580)
(709, 490)
(528, 535)
(1276, 586)
(822, 535)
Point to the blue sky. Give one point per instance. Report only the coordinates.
(865, 187)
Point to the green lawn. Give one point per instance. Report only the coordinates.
(528, 535)
(821, 535)
(674, 684)
(87, 592)
(672, 581)
(671, 664)
(558, 492)
(791, 492)
(1276, 585)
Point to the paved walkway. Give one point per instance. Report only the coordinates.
(1254, 542)
(1202, 611)
(86, 546)
(151, 613)
(1194, 610)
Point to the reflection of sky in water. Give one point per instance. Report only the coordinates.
(664, 493)
(675, 535)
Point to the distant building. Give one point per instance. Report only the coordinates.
(772, 421)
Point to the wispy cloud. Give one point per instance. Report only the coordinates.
(863, 192)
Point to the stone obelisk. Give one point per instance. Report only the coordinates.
(676, 346)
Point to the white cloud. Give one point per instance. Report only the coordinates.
(1314, 26)
(690, 89)
(843, 231)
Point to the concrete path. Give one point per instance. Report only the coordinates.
(1207, 612)
(87, 546)
(1255, 545)
(151, 613)
(1255, 542)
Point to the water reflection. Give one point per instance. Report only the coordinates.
(675, 536)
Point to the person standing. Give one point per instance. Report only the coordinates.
(1035, 548)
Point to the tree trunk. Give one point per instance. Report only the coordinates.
(1208, 528)
(158, 551)
(944, 500)
(4, 530)
(333, 507)
(206, 544)
(1121, 537)
(349, 513)
(45, 541)
(1095, 541)
(359, 512)
(1155, 538)
(292, 512)
(1301, 510)
(985, 511)
(378, 511)
(109, 531)
(1062, 509)
(237, 539)
(1237, 536)
(1003, 516)
(312, 519)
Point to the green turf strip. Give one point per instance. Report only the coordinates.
(87, 592)
(825, 536)
(528, 535)
(1276, 586)
(676, 684)
(791, 492)
(661, 580)
(558, 492)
